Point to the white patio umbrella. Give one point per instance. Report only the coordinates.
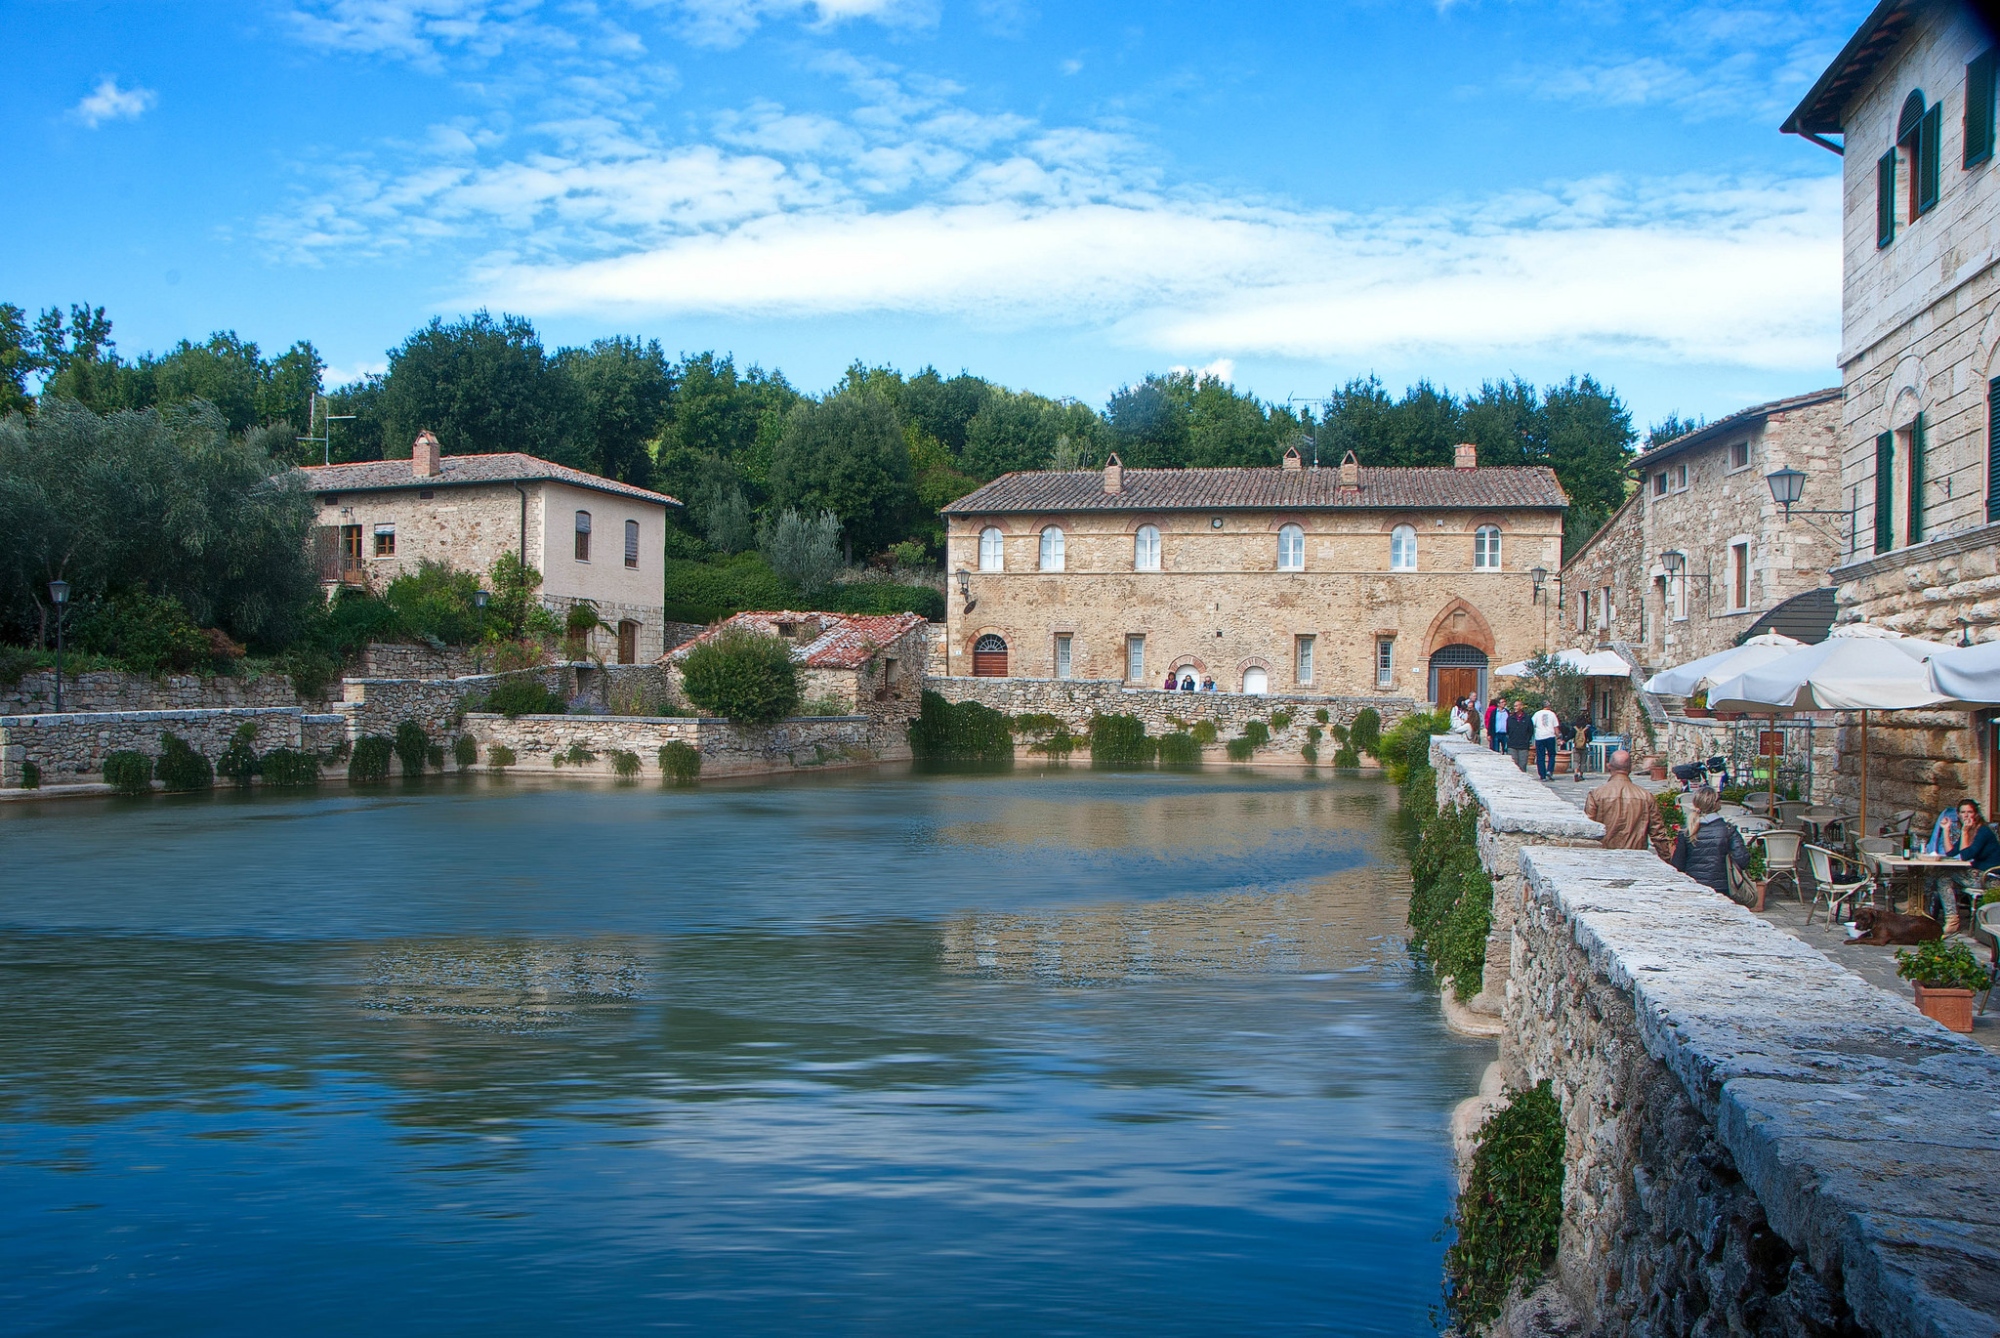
(1969, 673)
(1858, 668)
(1684, 680)
(1591, 664)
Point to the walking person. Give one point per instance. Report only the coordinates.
(1496, 725)
(1520, 734)
(1714, 844)
(1580, 735)
(1630, 816)
(1548, 728)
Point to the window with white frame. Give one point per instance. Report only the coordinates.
(1062, 655)
(992, 550)
(1660, 484)
(1052, 549)
(1385, 661)
(1135, 658)
(1680, 478)
(1291, 548)
(385, 541)
(1486, 548)
(1403, 548)
(1146, 549)
(1302, 658)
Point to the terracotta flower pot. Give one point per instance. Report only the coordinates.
(1951, 1008)
(1658, 771)
(1695, 712)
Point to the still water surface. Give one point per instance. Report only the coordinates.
(1051, 1052)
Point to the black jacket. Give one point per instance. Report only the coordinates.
(1983, 850)
(1520, 731)
(1713, 846)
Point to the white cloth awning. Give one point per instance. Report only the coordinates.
(1849, 671)
(1687, 679)
(1970, 674)
(1591, 664)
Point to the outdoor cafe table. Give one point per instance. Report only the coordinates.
(1899, 867)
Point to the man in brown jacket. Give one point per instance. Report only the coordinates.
(1630, 816)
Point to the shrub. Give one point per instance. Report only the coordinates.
(680, 762)
(580, 622)
(1204, 733)
(1239, 750)
(15, 663)
(284, 767)
(311, 670)
(1310, 752)
(148, 634)
(1942, 964)
(1407, 747)
(180, 767)
(825, 705)
(413, 746)
(524, 696)
(1321, 715)
(959, 732)
(575, 755)
(499, 757)
(239, 762)
(624, 765)
(1451, 898)
(1037, 722)
(1179, 750)
(464, 752)
(1257, 732)
(1313, 735)
(1346, 758)
(31, 776)
(1508, 1218)
(881, 598)
(1366, 731)
(1671, 812)
(741, 675)
(1120, 741)
(434, 757)
(371, 759)
(129, 772)
(704, 592)
(1058, 743)
(438, 603)
(1280, 721)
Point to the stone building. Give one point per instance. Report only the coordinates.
(1355, 581)
(1701, 502)
(1912, 98)
(595, 541)
(868, 665)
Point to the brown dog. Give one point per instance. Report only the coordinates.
(1882, 928)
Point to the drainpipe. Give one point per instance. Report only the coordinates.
(524, 523)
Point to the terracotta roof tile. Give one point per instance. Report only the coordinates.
(1382, 487)
(845, 640)
(461, 470)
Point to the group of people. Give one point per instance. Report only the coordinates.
(1514, 729)
(1185, 683)
(1632, 821)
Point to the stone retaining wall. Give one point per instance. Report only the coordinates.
(116, 691)
(1758, 1141)
(71, 747)
(726, 749)
(1076, 700)
(378, 705)
(390, 659)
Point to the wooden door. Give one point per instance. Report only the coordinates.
(1455, 682)
(989, 658)
(628, 642)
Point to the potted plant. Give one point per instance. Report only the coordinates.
(1697, 706)
(1945, 974)
(1656, 767)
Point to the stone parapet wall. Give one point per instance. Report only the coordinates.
(116, 691)
(71, 747)
(378, 705)
(1075, 700)
(389, 659)
(727, 749)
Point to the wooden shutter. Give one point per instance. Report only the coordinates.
(1885, 199)
(1915, 526)
(1979, 109)
(1993, 449)
(1929, 150)
(1885, 492)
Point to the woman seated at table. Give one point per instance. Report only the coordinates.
(1970, 839)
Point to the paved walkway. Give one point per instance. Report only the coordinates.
(1875, 965)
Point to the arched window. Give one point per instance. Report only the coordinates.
(1291, 548)
(1256, 682)
(583, 536)
(992, 550)
(989, 657)
(1486, 548)
(631, 552)
(1052, 548)
(1403, 548)
(1146, 549)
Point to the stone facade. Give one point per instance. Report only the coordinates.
(1225, 603)
(378, 705)
(726, 749)
(379, 520)
(70, 748)
(1074, 701)
(116, 691)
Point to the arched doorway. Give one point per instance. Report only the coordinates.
(1256, 682)
(989, 657)
(1457, 671)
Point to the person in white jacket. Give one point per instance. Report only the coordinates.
(1548, 729)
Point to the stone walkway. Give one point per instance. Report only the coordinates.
(1875, 965)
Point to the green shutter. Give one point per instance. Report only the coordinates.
(1993, 449)
(1929, 148)
(1915, 524)
(1885, 199)
(1885, 492)
(1979, 109)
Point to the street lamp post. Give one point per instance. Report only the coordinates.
(1540, 576)
(59, 596)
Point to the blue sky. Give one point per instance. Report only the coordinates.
(1060, 197)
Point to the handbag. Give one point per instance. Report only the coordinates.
(1682, 849)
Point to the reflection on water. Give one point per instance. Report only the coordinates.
(1058, 1051)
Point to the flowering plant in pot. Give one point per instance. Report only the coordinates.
(1697, 706)
(1945, 974)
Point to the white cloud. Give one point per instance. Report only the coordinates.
(1222, 369)
(109, 102)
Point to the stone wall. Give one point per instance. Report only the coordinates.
(1076, 700)
(378, 705)
(388, 659)
(1757, 1140)
(726, 749)
(106, 690)
(71, 748)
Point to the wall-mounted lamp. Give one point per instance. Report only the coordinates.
(1787, 486)
(1540, 576)
(1673, 563)
(964, 583)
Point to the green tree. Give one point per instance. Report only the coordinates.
(846, 454)
(625, 389)
(483, 386)
(1016, 430)
(804, 550)
(1672, 426)
(17, 359)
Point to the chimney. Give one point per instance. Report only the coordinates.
(424, 456)
(1114, 474)
(1292, 460)
(1350, 476)
(1465, 456)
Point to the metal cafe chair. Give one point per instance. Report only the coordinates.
(1792, 811)
(1986, 920)
(1781, 857)
(1824, 863)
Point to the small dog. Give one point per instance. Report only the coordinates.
(1882, 928)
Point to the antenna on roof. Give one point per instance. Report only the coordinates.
(325, 439)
